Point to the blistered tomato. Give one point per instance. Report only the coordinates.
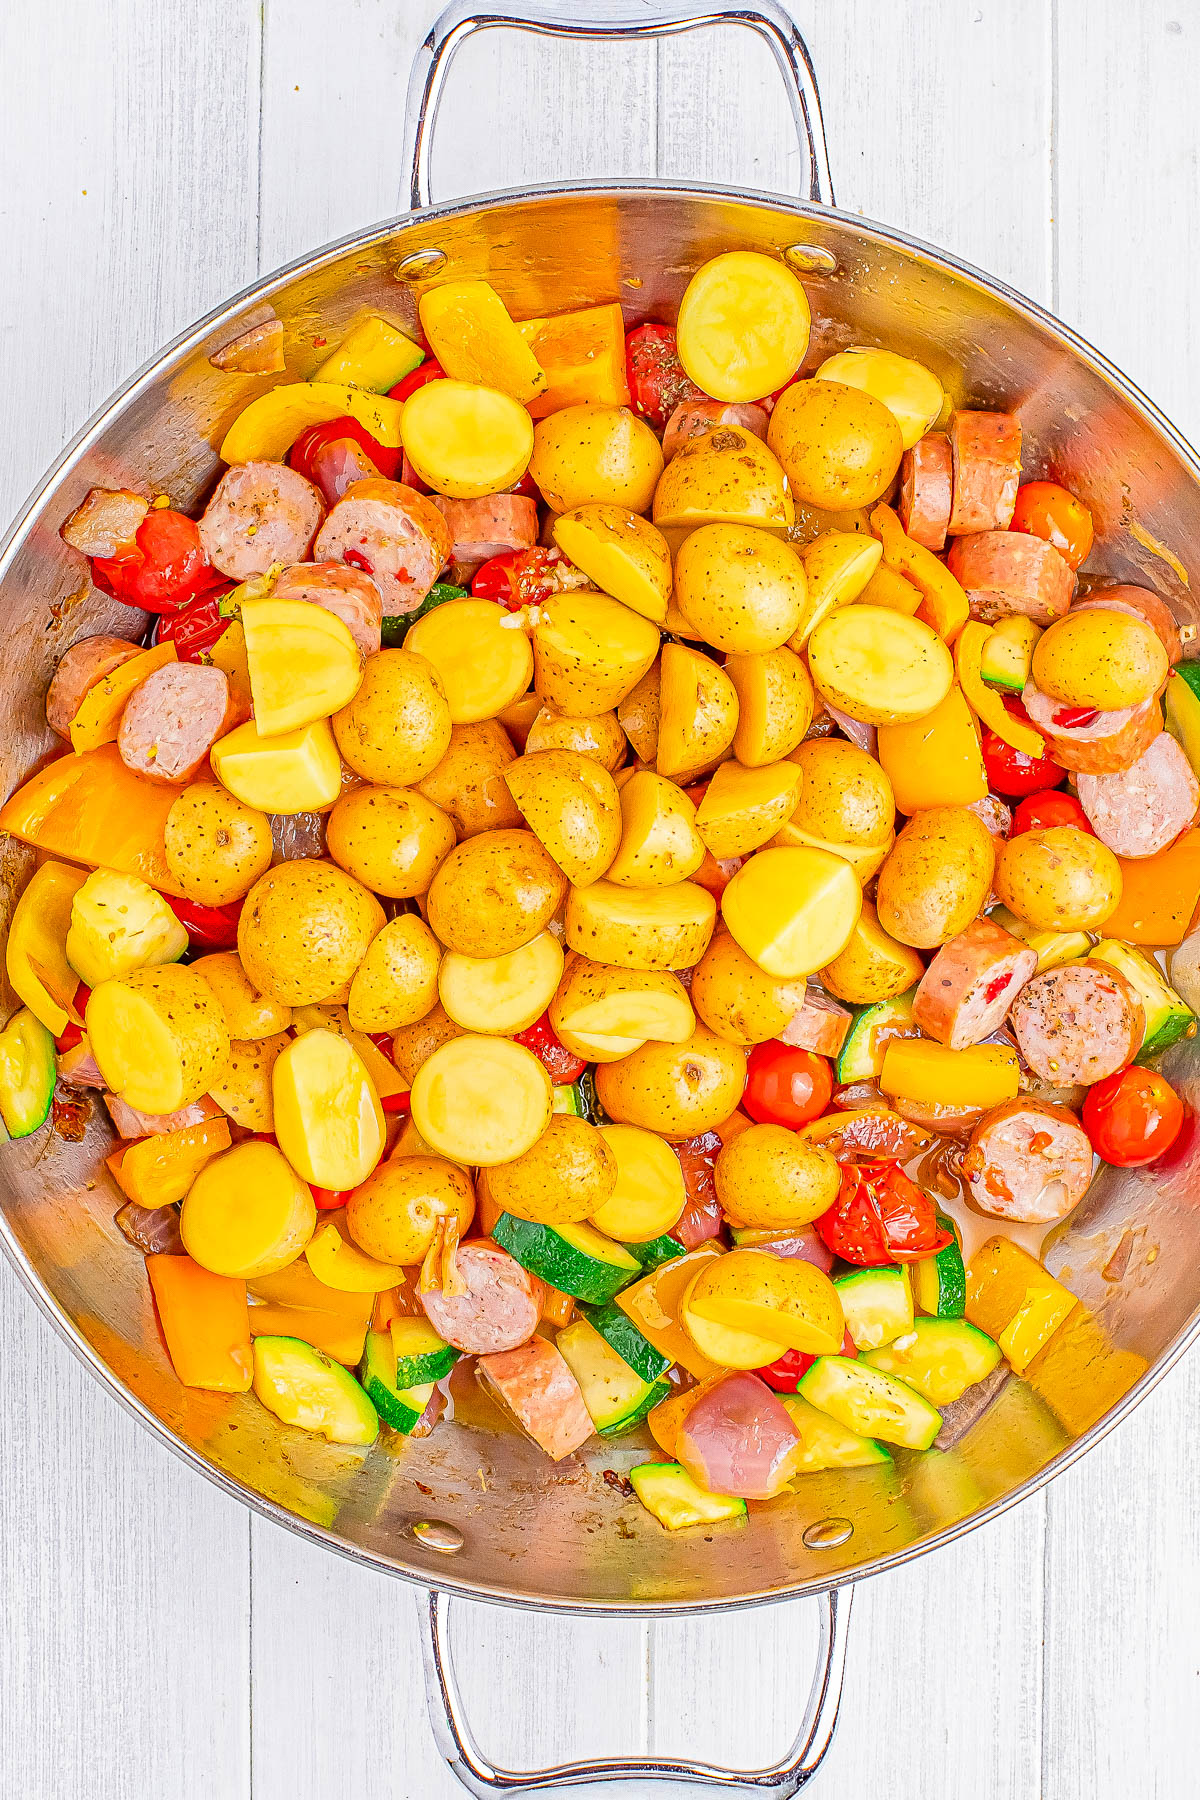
(1046, 510)
(518, 578)
(195, 628)
(786, 1086)
(787, 1371)
(1132, 1117)
(318, 436)
(881, 1216)
(1040, 811)
(164, 568)
(1010, 772)
(555, 1058)
(429, 370)
(657, 379)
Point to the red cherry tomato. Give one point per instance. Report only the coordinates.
(555, 1058)
(786, 1372)
(208, 927)
(881, 1216)
(317, 436)
(195, 628)
(1011, 772)
(326, 1199)
(1132, 1117)
(657, 379)
(1046, 510)
(1038, 812)
(785, 1086)
(428, 371)
(518, 578)
(163, 569)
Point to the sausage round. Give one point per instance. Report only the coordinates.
(338, 465)
(539, 1390)
(966, 991)
(926, 490)
(499, 1309)
(1078, 1023)
(261, 513)
(481, 529)
(1144, 808)
(172, 720)
(820, 1025)
(985, 449)
(350, 595)
(1007, 572)
(696, 418)
(391, 533)
(1028, 1161)
(1143, 604)
(79, 669)
(1111, 742)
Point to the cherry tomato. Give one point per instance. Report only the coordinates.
(1011, 772)
(417, 378)
(555, 1058)
(881, 1216)
(787, 1371)
(785, 1086)
(208, 927)
(1046, 510)
(1132, 1117)
(716, 875)
(317, 436)
(325, 1199)
(518, 578)
(195, 628)
(163, 569)
(1038, 812)
(657, 379)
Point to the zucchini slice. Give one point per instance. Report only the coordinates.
(576, 1259)
(420, 1353)
(1167, 1018)
(940, 1358)
(878, 1305)
(304, 1387)
(655, 1251)
(940, 1281)
(27, 1074)
(1008, 654)
(870, 1401)
(615, 1396)
(828, 1444)
(861, 1056)
(668, 1491)
(622, 1335)
(569, 1100)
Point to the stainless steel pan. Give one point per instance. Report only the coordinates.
(475, 1510)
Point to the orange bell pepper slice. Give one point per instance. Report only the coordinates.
(159, 1170)
(583, 355)
(1159, 894)
(205, 1320)
(556, 1307)
(984, 701)
(336, 1333)
(91, 809)
(944, 604)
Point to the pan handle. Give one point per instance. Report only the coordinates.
(618, 19)
(783, 1778)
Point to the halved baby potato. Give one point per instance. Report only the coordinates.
(638, 715)
(743, 325)
(247, 1213)
(572, 807)
(873, 966)
(501, 995)
(838, 565)
(698, 713)
(775, 705)
(303, 662)
(158, 1035)
(641, 928)
(725, 477)
(792, 910)
(621, 552)
(879, 666)
(479, 650)
(396, 982)
(650, 1193)
(726, 1345)
(659, 841)
(599, 1000)
(908, 389)
(589, 651)
(742, 809)
(481, 1100)
(328, 1119)
(466, 441)
(298, 771)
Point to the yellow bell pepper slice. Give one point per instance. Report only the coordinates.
(265, 430)
(339, 1263)
(474, 339)
(99, 717)
(35, 955)
(984, 700)
(983, 1075)
(944, 604)
(1034, 1323)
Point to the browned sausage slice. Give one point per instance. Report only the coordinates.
(1028, 1161)
(499, 1309)
(1078, 1023)
(1007, 572)
(821, 1023)
(986, 451)
(391, 533)
(1144, 808)
(535, 1385)
(1142, 604)
(696, 418)
(172, 720)
(481, 529)
(79, 669)
(350, 595)
(926, 490)
(261, 513)
(966, 991)
(105, 520)
(1103, 745)
(338, 465)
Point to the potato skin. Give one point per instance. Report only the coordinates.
(243, 1089)
(768, 1177)
(304, 930)
(396, 982)
(840, 447)
(414, 1044)
(739, 1001)
(468, 783)
(216, 846)
(394, 1214)
(562, 1179)
(936, 878)
(845, 797)
(392, 839)
(589, 651)
(397, 727)
(585, 454)
(873, 966)
(1062, 879)
(249, 1014)
(571, 805)
(677, 1090)
(494, 893)
(743, 590)
(725, 475)
(641, 928)
(600, 736)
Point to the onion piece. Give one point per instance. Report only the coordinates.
(738, 1439)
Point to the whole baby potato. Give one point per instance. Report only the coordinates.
(1062, 879)
(1099, 657)
(216, 846)
(414, 1044)
(743, 590)
(396, 729)
(874, 966)
(600, 736)
(394, 1214)
(840, 447)
(740, 1001)
(572, 806)
(396, 983)
(585, 454)
(304, 929)
(468, 784)
(563, 1178)
(845, 797)
(769, 1177)
(678, 1090)
(392, 839)
(495, 893)
(937, 877)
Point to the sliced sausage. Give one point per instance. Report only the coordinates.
(350, 595)
(261, 513)
(696, 418)
(966, 991)
(499, 1309)
(1078, 1023)
(534, 1383)
(926, 490)
(931, 1115)
(104, 520)
(821, 1023)
(338, 465)
(1143, 605)
(1104, 745)
(1007, 572)
(391, 533)
(130, 1123)
(172, 720)
(985, 449)
(1146, 806)
(481, 529)
(1028, 1161)
(994, 813)
(79, 669)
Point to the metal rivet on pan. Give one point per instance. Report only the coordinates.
(419, 265)
(435, 1534)
(827, 1534)
(810, 259)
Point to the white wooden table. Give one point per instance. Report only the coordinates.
(157, 1640)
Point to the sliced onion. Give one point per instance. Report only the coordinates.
(738, 1439)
